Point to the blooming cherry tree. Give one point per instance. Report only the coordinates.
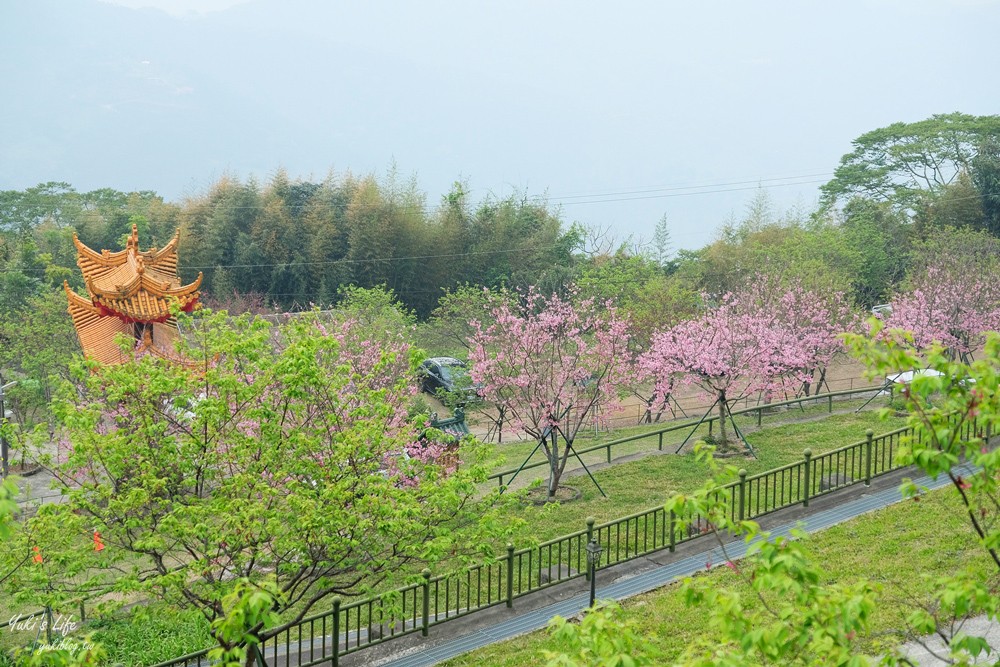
(813, 320)
(765, 338)
(553, 365)
(949, 303)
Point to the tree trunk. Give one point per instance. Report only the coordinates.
(723, 441)
(647, 418)
(252, 656)
(555, 470)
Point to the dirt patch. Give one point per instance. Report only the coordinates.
(539, 495)
(26, 470)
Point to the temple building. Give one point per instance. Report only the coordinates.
(129, 292)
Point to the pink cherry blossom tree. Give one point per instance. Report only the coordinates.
(768, 337)
(950, 302)
(813, 318)
(552, 365)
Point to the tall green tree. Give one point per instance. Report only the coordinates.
(903, 162)
(986, 176)
(881, 238)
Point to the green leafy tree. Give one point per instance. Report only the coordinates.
(602, 637)
(903, 162)
(957, 205)
(286, 455)
(451, 323)
(662, 246)
(880, 238)
(986, 177)
(36, 347)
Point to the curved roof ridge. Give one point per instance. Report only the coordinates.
(153, 255)
(105, 258)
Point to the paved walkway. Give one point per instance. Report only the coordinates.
(927, 654)
(521, 623)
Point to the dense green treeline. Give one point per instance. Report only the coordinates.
(294, 242)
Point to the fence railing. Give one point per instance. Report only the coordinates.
(344, 629)
(645, 414)
(656, 435)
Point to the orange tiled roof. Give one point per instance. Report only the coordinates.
(97, 332)
(134, 285)
(126, 287)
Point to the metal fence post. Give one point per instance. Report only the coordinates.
(590, 536)
(510, 575)
(427, 601)
(48, 625)
(743, 494)
(760, 413)
(673, 536)
(609, 453)
(336, 630)
(807, 482)
(258, 658)
(660, 447)
(829, 403)
(869, 435)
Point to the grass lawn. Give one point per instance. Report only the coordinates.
(642, 484)
(513, 454)
(902, 548)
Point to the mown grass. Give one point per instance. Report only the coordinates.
(902, 548)
(513, 454)
(641, 484)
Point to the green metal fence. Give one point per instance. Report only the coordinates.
(344, 629)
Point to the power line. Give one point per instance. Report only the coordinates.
(666, 188)
(688, 194)
(650, 192)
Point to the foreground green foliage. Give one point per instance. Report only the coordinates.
(284, 458)
(902, 550)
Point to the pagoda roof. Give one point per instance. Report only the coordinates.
(134, 285)
(94, 264)
(97, 332)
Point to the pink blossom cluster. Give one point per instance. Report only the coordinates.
(311, 385)
(418, 454)
(551, 362)
(767, 337)
(949, 304)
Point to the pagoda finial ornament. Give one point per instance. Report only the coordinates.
(129, 292)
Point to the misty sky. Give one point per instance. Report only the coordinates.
(621, 112)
